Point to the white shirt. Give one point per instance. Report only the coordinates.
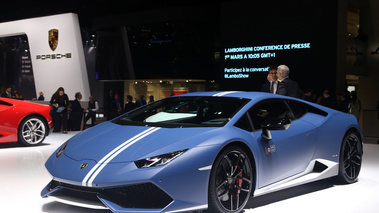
(275, 86)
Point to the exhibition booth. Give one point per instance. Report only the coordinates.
(136, 59)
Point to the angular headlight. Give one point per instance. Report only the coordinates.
(159, 160)
(61, 149)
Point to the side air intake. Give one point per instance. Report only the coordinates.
(319, 167)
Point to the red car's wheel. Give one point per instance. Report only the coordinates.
(32, 131)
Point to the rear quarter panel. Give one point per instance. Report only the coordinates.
(11, 117)
(331, 133)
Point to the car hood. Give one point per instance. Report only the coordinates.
(112, 143)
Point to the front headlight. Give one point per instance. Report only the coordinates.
(159, 160)
(61, 149)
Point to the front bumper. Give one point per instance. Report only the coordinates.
(180, 186)
(145, 197)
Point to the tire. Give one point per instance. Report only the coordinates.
(350, 160)
(32, 131)
(231, 181)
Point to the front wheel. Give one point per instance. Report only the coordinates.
(350, 161)
(231, 181)
(32, 131)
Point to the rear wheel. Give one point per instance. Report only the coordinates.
(231, 181)
(32, 131)
(350, 161)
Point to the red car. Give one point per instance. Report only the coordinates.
(24, 122)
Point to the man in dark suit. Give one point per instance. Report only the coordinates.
(328, 100)
(343, 102)
(76, 114)
(272, 84)
(129, 104)
(287, 86)
(7, 93)
(115, 107)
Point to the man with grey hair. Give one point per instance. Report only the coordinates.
(287, 86)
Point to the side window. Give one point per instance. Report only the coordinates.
(298, 109)
(275, 108)
(244, 123)
(5, 103)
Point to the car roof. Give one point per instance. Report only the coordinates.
(256, 96)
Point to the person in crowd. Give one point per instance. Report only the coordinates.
(355, 105)
(69, 121)
(59, 102)
(308, 95)
(328, 100)
(343, 103)
(272, 85)
(129, 105)
(41, 97)
(17, 94)
(141, 101)
(151, 99)
(7, 93)
(93, 107)
(115, 108)
(287, 86)
(109, 100)
(76, 115)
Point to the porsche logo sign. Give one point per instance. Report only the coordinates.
(53, 39)
(53, 43)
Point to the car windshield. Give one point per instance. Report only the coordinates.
(185, 112)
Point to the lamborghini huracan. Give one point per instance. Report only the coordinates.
(204, 151)
(24, 122)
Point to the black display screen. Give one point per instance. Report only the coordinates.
(258, 34)
(16, 68)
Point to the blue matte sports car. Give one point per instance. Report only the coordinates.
(205, 150)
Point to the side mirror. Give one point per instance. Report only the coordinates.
(274, 124)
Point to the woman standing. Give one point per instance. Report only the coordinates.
(59, 102)
(355, 105)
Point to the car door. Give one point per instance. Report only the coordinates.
(289, 151)
(5, 122)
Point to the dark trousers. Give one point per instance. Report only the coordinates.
(91, 115)
(76, 121)
(59, 121)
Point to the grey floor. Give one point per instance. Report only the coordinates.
(23, 175)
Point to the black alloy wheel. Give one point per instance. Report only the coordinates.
(350, 161)
(231, 181)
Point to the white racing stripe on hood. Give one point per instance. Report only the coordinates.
(92, 174)
(223, 93)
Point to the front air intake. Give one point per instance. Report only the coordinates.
(145, 195)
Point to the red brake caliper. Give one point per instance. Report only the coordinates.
(239, 182)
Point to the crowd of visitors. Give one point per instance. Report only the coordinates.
(280, 83)
(70, 115)
(67, 115)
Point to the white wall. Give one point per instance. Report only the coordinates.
(49, 74)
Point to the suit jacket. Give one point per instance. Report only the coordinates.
(290, 88)
(6, 95)
(129, 106)
(76, 108)
(266, 87)
(330, 102)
